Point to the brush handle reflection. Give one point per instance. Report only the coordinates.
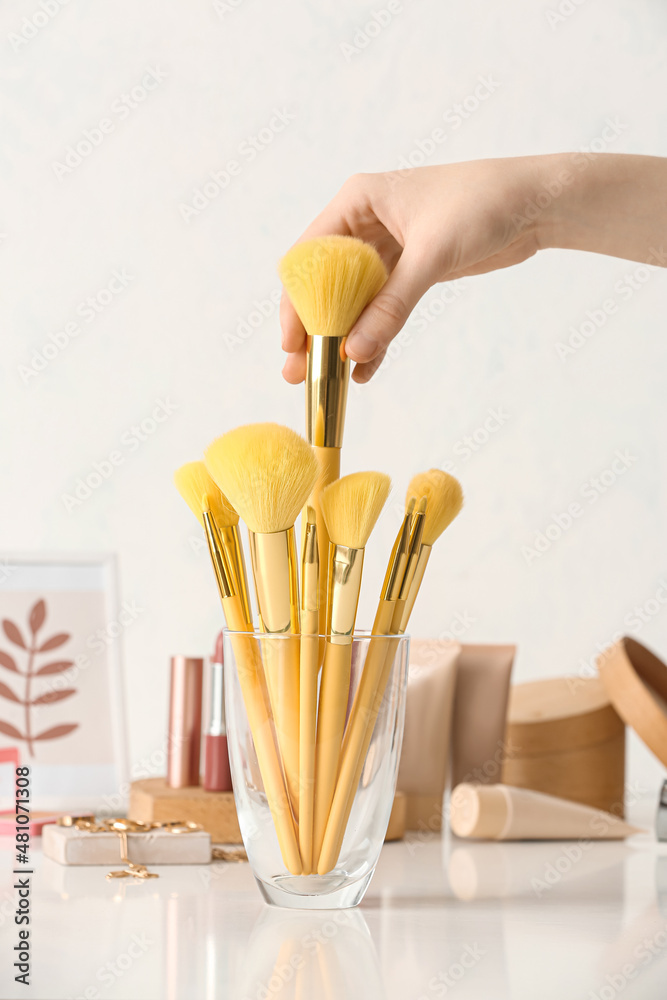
(363, 714)
(334, 696)
(255, 699)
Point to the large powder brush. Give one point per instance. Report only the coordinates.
(329, 280)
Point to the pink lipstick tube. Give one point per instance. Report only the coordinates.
(184, 721)
(217, 776)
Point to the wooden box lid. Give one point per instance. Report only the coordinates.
(636, 682)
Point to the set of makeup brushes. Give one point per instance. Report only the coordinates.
(295, 674)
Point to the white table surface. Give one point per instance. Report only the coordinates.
(442, 918)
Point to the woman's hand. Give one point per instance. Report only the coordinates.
(433, 224)
(430, 224)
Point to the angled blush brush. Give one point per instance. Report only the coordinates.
(350, 507)
(192, 482)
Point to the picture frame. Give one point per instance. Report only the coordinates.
(61, 686)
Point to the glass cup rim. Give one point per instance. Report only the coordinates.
(359, 635)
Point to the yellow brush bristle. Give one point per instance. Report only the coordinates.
(267, 471)
(330, 280)
(193, 483)
(444, 499)
(351, 506)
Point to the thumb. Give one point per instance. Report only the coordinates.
(385, 315)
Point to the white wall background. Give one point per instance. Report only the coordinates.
(168, 335)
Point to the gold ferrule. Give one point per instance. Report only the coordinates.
(274, 567)
(345, 567)
(223, 571)
(327, 377)
(398, 559)
(231, 540)
(310, 570)
(417, 577)
(415, 546)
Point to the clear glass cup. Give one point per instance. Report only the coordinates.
(277, 707)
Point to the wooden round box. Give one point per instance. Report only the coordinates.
(565, 738)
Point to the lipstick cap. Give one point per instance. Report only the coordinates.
(184, 721)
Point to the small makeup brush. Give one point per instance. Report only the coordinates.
(365, 696)
(268, 471)
(308, 671)
(251, 679)
(444, 500)
(350, 508)
(329, 280)
(192, 482)
(441, 499)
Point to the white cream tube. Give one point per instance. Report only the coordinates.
(501, 812)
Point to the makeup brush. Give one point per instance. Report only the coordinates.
(192, 482)
(329, 281)
(350, 508)
(251, 678)
(444, 499)
(308, 671)
(268, 471)
(441, 499)
(362, 706)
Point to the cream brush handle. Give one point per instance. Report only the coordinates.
(389, 619)
(255, 699)
(248, 660)
(334, 695)
(309, 669)
(357, 739)
(273, 557)
(329, 463)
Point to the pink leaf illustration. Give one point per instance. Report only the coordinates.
(37, 616)
(6, 692)
(13, 634)
(10, 731)
(56, 667)
(57, 731)
(54, 642)
(51, 696)
(7, 661)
